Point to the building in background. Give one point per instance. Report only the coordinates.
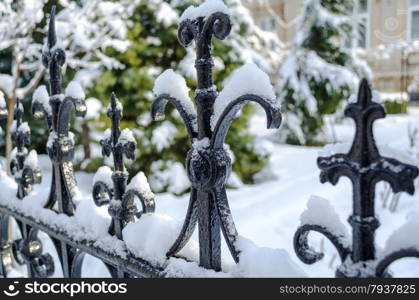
(387, 36)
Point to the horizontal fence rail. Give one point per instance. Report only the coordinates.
(208, 166)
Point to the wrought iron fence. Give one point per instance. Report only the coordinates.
(208, 166)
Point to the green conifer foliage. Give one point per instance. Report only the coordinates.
(321, 69)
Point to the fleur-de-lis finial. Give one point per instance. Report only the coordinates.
(365, 167)
(364, 112)
(110, 187)
(53, 56)
(111, 146)
(208, 163)
(23, 166)
(29, 251)
(56, 108)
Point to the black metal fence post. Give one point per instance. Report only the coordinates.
(209, 166)
(61, 149)
(60, 144)
(365, 167)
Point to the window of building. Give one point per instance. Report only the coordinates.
(414, 19)
(268, 24)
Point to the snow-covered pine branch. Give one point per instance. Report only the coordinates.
(84, 29)
(321, 69)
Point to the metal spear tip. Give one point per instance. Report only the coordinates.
(114, 108)
(52, 37)
(364, 93)
(58, 55)
(18, 112)
(114, 102)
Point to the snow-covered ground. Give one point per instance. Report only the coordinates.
(280, 202)
(268, 213)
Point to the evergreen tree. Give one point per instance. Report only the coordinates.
(154, 48)
(320, 71)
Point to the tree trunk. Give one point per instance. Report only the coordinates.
(8, 138)
(85, 139)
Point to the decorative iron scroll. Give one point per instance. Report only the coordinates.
(122, 206)
(365, 167)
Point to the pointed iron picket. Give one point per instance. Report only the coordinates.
(365, 167)
(122, 205)
(209, 167)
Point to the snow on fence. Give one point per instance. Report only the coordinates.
(127, 236)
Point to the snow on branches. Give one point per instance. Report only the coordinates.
(320, 71)
(84, 30)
